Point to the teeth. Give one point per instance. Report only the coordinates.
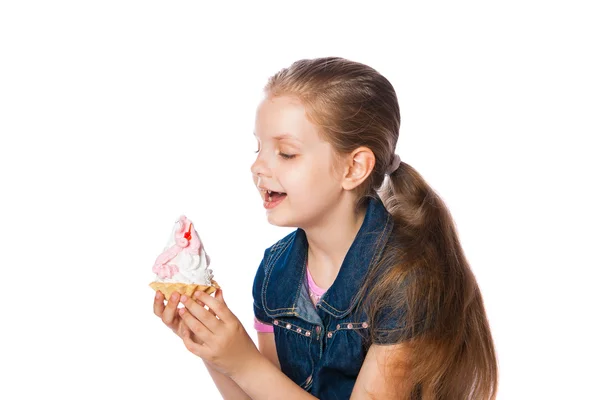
(268, 191)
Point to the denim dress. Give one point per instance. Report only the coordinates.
(322, 348)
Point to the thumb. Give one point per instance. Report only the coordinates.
(219, 295)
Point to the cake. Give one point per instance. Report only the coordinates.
(183, 264)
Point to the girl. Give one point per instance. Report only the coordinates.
(372, 296)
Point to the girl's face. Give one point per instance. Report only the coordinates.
(295, 164)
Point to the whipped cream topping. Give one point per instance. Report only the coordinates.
(183, 259)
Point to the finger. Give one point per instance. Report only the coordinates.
(219, 296)
(196, 294)
(196, 348)
(171, 309)
(183, 330)
(159, 303)
(207, 318)
(196, 327)
(218, 306)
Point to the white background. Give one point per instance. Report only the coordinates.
(118, 116)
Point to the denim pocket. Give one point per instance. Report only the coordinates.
(345, 344)
(293, 350)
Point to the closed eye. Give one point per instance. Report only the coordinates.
(287, 156)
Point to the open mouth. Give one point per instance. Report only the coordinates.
(271, 196)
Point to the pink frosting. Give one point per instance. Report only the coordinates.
(186, 239)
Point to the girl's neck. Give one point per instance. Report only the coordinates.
(329, 242)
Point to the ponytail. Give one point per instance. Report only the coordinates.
(445, 324)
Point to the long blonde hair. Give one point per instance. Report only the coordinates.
(452, 351)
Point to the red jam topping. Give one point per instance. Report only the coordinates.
(188, 234)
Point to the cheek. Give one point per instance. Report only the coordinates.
(308, 180)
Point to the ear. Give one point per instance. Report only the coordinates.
(360, 164)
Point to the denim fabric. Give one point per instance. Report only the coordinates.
(322, 348)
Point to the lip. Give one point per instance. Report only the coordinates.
(269, 205)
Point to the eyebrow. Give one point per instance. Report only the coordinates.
(284, 136)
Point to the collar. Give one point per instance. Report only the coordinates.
(285, 276)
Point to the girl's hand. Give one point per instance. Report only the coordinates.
(170, 316)
(216, 335)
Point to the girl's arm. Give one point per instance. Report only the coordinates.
(266, 346)
(383, 374)
(227, 387)
(264, 381)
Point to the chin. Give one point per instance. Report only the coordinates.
(285, 216)
(280, 222)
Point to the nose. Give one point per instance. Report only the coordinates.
(259, 167)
